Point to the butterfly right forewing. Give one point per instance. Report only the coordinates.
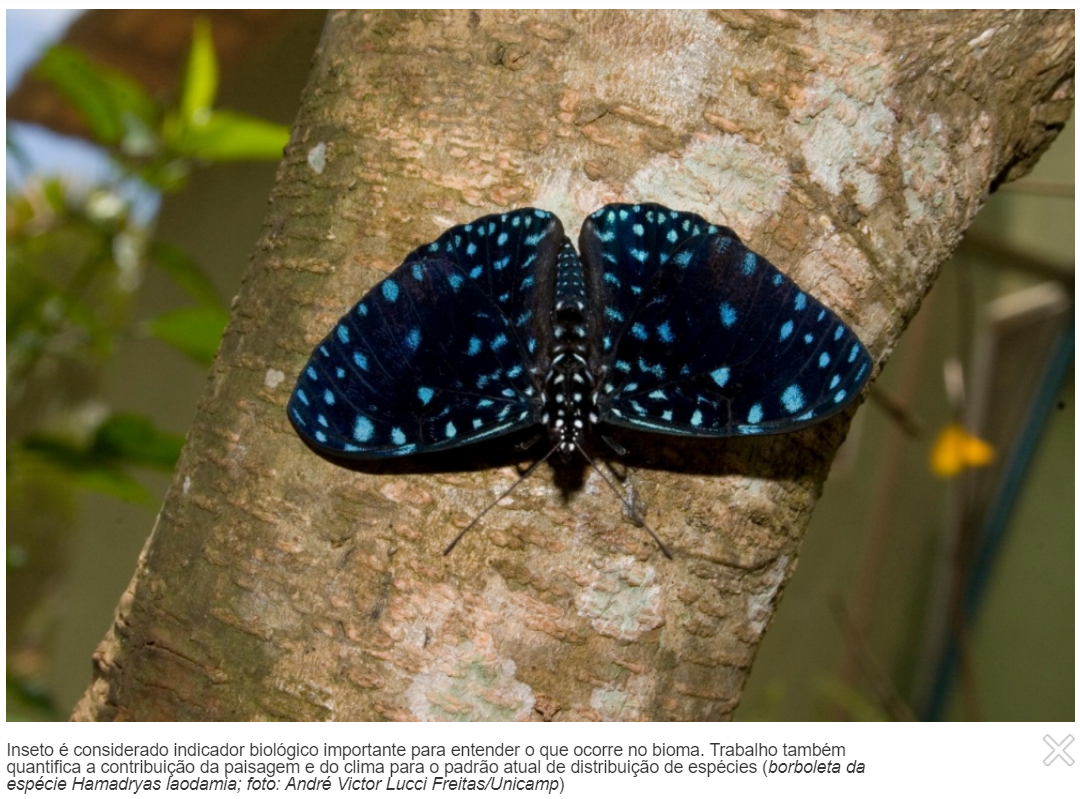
(711, 339)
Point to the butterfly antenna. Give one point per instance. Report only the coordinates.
(498, 499)
(626, 503)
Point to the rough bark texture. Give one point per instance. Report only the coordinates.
(850, 149)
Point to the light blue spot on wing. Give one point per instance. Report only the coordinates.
(721, 376)
(312, 373)
(451, 431)
(652, 369)
(412, 338)
(474, 346)
(785, 329)
(328, 397)
(663, 330)
(792, 398)
(363, 429)
(749, 264)
(728, 316)
(360, 360)
(397, 436)
(800, 301)
(695, 420)
(756, 414)
(390, 290)
(823, 360)
(343, 334)
(425, 394)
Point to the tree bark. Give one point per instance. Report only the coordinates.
(851, 149)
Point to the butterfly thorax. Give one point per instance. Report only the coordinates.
(568, 383)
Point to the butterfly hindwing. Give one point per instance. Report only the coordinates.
(441, 353)
(701, 336)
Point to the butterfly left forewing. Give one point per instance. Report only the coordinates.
(439, 354)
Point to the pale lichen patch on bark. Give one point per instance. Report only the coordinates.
(628, 700)
(621, 597)
(760, 605)
(725, 178)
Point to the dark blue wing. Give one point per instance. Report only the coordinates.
(444, 352)
(698, 335)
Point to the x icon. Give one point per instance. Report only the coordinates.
(1058, 750)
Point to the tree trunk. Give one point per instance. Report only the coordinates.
(851, 149)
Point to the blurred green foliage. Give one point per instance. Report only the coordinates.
(160, 145)
(75, 260)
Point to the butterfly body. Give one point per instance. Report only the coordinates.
(664, 323)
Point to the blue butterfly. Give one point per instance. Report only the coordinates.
(664, 323)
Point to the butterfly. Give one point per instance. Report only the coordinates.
(660, 321)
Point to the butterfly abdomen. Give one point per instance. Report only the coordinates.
(568, 384)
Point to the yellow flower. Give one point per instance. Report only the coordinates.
(956, 449)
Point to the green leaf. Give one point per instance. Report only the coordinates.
(132, 438)
(108, 479)
(87, 471)
(231, 136)
(200, 77)
(107, 99)
(185, 273)
(195, 332)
